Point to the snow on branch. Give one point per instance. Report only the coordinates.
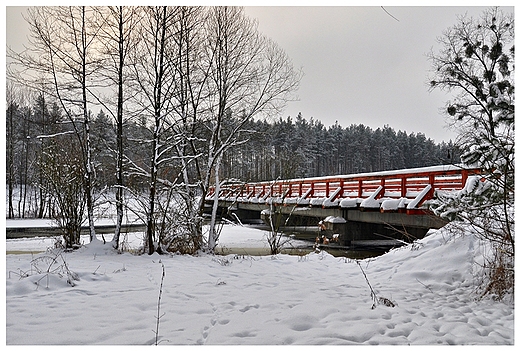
(54, 135)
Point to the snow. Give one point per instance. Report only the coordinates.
(419, 197)
(303, 201)
(250, 300)
(371, 201)
(393, 204)
(332, 200)
(350, 203)
(332, 219)
(29, 223)
(440, 168)
(317, 202)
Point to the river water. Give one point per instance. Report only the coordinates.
(234, 240)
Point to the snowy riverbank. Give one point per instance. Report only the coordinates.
(250, 300)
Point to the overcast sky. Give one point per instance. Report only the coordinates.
(360, 64)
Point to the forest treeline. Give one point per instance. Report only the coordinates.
(296, 148)
(281, 148)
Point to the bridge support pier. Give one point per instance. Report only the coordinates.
(357, 232)
(283, 220)
(358, 227)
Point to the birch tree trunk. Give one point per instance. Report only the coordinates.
(213, 235)
(120, 40)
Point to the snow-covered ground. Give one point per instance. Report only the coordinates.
(249, 300)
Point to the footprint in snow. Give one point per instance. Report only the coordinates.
(247, 308)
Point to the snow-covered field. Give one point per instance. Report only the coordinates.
(249, 300)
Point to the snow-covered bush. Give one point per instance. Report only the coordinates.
(63, 174)
(275, 237)
(49, 271)
(178, 226)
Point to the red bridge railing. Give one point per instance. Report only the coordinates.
(389, 190)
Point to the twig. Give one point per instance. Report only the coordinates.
(426, 286)
(375, 299)
(372, 293)
(389, 14)
(158, 317)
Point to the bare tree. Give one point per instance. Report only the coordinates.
(190, 97)
(250, 75)
(276, 239)
(202, 75)
(117, 37)
(63, 41)
(154, 74)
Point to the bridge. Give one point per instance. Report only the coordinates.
(359, 207)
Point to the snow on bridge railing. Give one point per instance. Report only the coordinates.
(397, 190)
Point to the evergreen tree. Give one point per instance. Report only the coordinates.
(476, 61)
